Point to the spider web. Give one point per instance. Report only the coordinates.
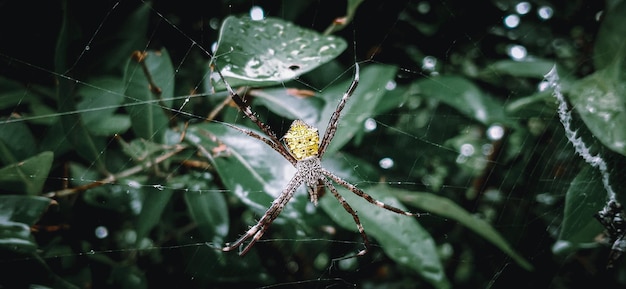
(453, 117)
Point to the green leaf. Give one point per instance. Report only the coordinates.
(98, 105)
(464, 96)
(535, 68)
(585, 197)
(16, 142)
(12, 94)
(17, 215)
(145, 107)
(363, 103)
(600, 100)
(28, 176)
(444, 207)
(401, 237)
(270, 51)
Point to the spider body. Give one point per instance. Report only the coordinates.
(304, 149)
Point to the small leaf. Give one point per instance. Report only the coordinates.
(28, 176)
(535, 68)
(98, 105)
(270, 51)
(16, 142)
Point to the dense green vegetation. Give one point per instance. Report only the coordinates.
(120, 168)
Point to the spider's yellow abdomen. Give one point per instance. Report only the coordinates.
(302, 140)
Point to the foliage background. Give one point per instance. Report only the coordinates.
(62, 104)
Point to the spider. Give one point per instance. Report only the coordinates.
(303, 149)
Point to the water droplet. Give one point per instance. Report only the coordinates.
(370, 124)
(523, 8)
(423, 7)
(257, 13)
(495, 132)
(517, 52)
(386, 163)
(390, 85)
(467, 150)
(101, 232)
(429, 63)
(545, 12)
(511, 21)
(87, 48)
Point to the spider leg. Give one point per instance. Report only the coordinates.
(277, 147)
(257, 231)
(334, 119)
(254, 118)
(352, 212)
(365, 196)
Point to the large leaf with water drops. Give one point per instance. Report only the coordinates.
(269, 51)
(600, 100)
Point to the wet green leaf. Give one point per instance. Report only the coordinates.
(600, 100)
(270, 51)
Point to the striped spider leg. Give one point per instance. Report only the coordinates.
(304, 150)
